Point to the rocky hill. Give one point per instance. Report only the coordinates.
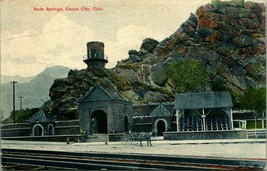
(227, 37)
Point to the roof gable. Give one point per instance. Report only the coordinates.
(161, 110)
(203, 100)
(41, 116)
(99, 93)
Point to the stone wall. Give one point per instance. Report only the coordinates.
(67, 127)
(11, 130)
(197, 135)
(50, 138)
(24, 129)
(145, 127)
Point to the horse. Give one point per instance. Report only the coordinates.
(146, 136)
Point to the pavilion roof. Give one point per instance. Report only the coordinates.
(203, 100)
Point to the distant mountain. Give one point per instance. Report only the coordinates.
(34, 92)
(7, 79)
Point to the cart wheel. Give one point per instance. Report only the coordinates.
(135, 140)
(126, 139)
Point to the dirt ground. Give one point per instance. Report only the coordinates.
(250, 148)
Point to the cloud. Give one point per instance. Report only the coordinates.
(127, 38)
(63, 42)
(60, 42)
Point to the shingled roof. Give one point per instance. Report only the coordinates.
(161, 110)
(99, 93)
(203, 100)
(41, 116)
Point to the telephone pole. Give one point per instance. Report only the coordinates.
(20, 102)
(14, 108)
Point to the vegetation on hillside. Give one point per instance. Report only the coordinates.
(22, 116)
(188, 75)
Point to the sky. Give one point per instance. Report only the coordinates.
(33, 39)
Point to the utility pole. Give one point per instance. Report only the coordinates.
(20, 102)
(14, 108)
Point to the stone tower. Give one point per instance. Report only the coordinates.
(95, 55)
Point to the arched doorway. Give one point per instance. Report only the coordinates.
(50, 129)
(38, 130)
(161, 127)
(99, 122)
(126, 124)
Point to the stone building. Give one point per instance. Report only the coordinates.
(156, 117)
(104, 111)
(42, 124)
(161, 119)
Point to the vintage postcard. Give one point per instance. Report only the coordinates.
(133, 85)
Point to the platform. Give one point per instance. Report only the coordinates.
(230, 148)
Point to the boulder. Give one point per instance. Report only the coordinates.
(211, 56)
(242, 41)
(151, 96)
(159, 75)
(238, 70)
(149, 44)
(130, 74)
(133, 52)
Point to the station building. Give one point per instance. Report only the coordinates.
(103, 111)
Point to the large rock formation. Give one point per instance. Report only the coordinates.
(227, 37)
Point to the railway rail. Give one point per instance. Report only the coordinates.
(107, 161)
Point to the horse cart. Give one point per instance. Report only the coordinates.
(136, 138)
(130, 139)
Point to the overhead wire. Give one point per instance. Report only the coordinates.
(36, 34)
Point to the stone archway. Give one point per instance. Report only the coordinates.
(160, 126)
(99, 122)
(38, 130)
(50, 129)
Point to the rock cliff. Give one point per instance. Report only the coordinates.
(228, 37)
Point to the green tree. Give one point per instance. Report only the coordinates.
(21, 116)
(254, 100)
(188, 75)
(47, 106)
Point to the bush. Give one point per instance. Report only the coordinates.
(251, 124)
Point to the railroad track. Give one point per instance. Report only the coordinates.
(106, 161)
